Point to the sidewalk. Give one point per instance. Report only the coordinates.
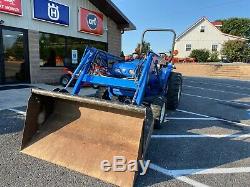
(12, 98)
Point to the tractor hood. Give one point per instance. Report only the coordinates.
(126, 69)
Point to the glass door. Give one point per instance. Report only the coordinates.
(13, 56)
(1, 58)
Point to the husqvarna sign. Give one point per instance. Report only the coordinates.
(90, 22)
(51, 11)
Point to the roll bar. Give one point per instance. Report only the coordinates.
(159, 30)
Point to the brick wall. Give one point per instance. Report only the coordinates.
(40, 74)
(235, 71)
(114, 38)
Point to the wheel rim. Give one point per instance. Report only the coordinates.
(179, 93)
(65, 81)
(163, 111)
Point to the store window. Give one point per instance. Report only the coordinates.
(56, 50)
(77, 45)
(52, 50)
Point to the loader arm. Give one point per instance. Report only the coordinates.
(138, 86)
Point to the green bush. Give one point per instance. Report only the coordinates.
(214, 57)
(201, 55)
(236, 50)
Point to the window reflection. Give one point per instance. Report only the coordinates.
(52, 50)
(13, 46)
(56, 50)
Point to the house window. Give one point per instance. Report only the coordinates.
(214, 47)
(188, 47)
(202, 29)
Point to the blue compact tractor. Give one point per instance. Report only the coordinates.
(79, 133)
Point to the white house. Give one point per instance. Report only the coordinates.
(202, 35)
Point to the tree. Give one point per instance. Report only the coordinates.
(122, 54)
(201, 55)
(236, 50)
(237, 26)
(214, 57)
(145, 47)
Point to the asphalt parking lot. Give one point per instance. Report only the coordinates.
(206, 142)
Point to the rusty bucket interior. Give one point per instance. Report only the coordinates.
(78, 133)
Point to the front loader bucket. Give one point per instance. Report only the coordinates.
(78, 133)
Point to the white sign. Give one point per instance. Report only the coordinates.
(120, 164)
(74, 56)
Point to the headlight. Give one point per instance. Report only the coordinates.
(117, 70)
(131, 72)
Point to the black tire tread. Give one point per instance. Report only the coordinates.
(64, 76)
(175, 80)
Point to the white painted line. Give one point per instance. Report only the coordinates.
(220, 100)
(220, 84)
(236, 93)
(197, 114)
(207, 171)
(178, 177)
(191, 181)
(219, 119)
(201, 136)
(205, 119)
(18, 111)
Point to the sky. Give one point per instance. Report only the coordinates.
(175, 14)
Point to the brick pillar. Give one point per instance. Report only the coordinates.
(114, 38)
(34, 55)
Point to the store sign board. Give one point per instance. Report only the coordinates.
(90, 22)
(51, 11)
(11, 7)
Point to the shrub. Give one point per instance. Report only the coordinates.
(201, 55)
(236, 50)
(214, 57)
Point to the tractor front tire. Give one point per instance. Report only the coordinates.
(174, 90)
(65, 79)
(102, 93)
(159, 109)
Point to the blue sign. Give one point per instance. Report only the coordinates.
(51, 11)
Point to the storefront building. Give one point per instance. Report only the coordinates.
(39, 37)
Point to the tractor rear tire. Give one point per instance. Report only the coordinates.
(174, 90)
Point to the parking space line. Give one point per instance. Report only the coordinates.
(201, 136)
(214, 90)
(219, 119)
(193, 113)
(18, 111)
(220, 100)
(220, 84)
(205, 119)
(207, 171)
(178, 177)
